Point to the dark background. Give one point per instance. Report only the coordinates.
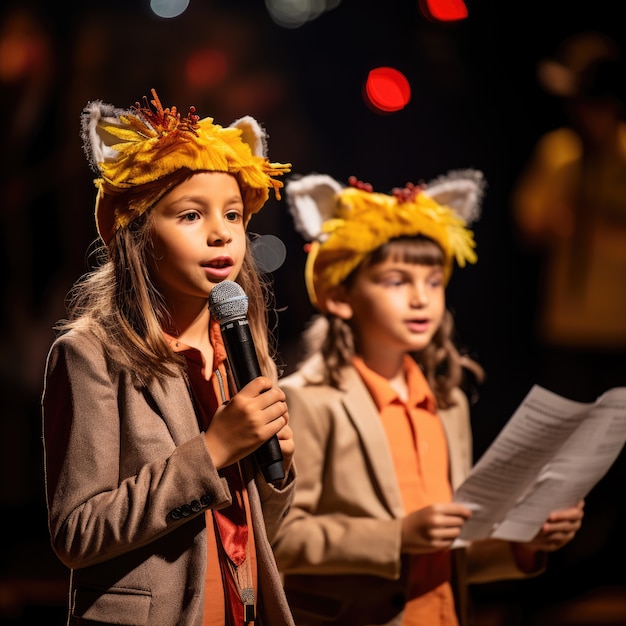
(475, 103)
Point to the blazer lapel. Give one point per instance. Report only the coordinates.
(174, 402)
(364, 414)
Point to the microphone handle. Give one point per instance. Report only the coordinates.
(244, 366)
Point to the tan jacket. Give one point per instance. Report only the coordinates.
(128, 481)
(339, 547)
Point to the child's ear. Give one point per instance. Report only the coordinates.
(336, 302)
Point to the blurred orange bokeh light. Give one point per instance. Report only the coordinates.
(206, 68)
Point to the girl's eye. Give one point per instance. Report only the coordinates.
(436, 281)
(190, 217)
(233, 216)
(392, 281)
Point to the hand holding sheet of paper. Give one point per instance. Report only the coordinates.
(549, 455)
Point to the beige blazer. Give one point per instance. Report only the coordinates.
(339, 547)
(128, 481)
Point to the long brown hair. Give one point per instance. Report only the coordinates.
(444, 366)
(119, 302)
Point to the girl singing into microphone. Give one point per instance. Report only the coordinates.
(154, 500)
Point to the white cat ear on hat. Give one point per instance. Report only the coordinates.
(312, 201)
(97, 143)
(461, 190)
(252, 134)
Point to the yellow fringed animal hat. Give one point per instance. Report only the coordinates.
(344, 224)
(139, 154)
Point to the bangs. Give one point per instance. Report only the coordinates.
(417, 250)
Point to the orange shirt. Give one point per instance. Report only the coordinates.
(419, 449)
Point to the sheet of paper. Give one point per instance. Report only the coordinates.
(548, 456)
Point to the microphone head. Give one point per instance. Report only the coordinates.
(228, 301)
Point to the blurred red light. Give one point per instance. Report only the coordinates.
(387, 89)
(444, 10)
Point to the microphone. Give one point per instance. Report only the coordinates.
(228, 304)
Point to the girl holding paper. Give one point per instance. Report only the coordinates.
(381, 423)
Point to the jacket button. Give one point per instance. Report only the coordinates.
(196, 506)
(185, 510)
(176, 514)
(205, 501)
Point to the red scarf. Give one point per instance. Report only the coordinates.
(230, 523)
(232, 529)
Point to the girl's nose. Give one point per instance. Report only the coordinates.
(219, 233)
(419, 296)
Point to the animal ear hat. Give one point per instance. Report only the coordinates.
(345, 223)
(141, 153)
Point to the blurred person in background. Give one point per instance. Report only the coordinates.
(570, 203)
(569, 208)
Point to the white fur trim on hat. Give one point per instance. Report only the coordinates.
(311, 201)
